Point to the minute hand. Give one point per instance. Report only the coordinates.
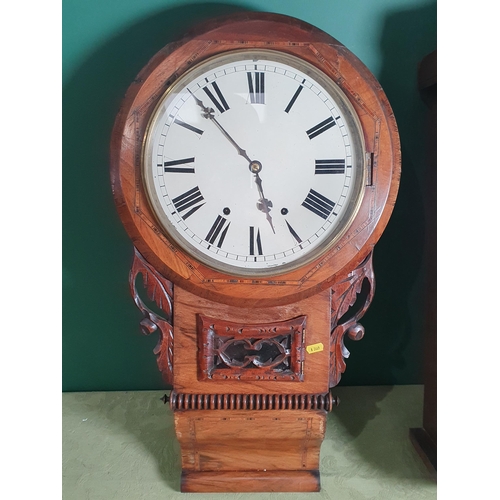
(209, 114)
(255, 166)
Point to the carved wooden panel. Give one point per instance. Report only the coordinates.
(271, 351)
(189, 350)
(351, 298)
(159, 290)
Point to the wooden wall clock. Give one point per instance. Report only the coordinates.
(254, 164)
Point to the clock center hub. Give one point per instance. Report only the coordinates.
(255, 167)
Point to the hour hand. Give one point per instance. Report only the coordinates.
(264, 205)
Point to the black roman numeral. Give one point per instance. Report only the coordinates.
(330, 166)
(294, 98)
(294, 234)
(181, 166)
(220, 104)
(191, 199)
(188, 127)
(255, 241)
(318, 204)
(256, 87)
(321, 127)
(216, 229)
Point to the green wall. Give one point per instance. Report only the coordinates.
(105, 44)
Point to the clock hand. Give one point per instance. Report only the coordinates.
(255, 166)
(264, 205)
(208, 113)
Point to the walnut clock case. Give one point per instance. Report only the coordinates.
(254, 164)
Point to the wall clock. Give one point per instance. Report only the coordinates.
(254, 164)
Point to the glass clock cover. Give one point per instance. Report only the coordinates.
(254, 162)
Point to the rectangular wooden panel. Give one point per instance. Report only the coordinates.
(245, 446)
(315, 368)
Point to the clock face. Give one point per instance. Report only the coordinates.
(254, 162)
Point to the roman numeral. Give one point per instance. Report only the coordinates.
(188, 127)
(294, 234)
(321, 127)
(294, 98)
(330, 166)
(256, 87)
(220, 104)
(191, 199)
(318, 204)
(181, 166)
(255, 241)
(216, 229)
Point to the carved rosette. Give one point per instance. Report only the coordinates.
(160, 291)
(350, 300)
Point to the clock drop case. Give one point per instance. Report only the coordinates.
(254, 164)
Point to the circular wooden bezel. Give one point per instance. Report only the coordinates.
(256, 31)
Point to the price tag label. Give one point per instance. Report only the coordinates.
(311, 349)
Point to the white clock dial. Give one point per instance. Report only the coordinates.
(254, 162)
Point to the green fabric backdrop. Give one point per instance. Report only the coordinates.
(105, 44)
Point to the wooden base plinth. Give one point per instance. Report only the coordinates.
(250, 481)
(250, 450)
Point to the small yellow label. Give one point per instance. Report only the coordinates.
(314, 348)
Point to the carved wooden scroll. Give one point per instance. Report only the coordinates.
(160, 291)
(230, 350)
(350, 300)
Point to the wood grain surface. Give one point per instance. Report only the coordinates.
(240, 449)
(274, 340)
(252, 30)
(316, 364)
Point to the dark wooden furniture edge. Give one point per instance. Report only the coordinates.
(425, 438)
(426, 448)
